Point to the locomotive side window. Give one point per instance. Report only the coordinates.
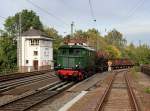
(77, 51)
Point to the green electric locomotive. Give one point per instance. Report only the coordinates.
(75, 62)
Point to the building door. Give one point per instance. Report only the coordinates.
(35, 64)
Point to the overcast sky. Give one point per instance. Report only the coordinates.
(131, 17)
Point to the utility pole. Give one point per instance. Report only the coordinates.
(96, 44)
(139, 42)
(19, 45)
(72, 25)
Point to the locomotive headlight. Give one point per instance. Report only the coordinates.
(77, 65)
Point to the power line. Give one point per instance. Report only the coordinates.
(140, 2)
(91, 10)
(51, 14)
(133, 10)
(66, 5)
(92, 13)
(2, 17)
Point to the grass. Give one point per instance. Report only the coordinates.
(147, 90)
(134, 72)
(137, 68)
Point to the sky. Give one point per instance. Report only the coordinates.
(130, 17)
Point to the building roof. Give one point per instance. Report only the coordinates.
(34, 32)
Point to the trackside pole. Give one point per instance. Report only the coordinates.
(109, 65)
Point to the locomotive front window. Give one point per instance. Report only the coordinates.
(63, 52)
(71, 51)
(74, 52)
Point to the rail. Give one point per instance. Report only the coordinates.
(105, 96)
(30, 100)
(131, 93)
(101, 102)
(21, 75)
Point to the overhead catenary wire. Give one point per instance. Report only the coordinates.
(92, 11)
(94, 20)
(131, 12)
(92, 14)
(2, 17)
(47, 12)
(66, 4)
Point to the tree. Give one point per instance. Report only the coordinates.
(143, 54)
(57, 39)
(92, 38)
(116, 38)
(113, 52)
(8, 58)
(140, 54)
(8, 44)
(28, 19)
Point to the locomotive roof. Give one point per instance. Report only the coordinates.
(76, 46)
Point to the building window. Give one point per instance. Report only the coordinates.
(34, 42)
(27, 61)
(35, 53)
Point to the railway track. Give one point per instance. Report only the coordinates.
(118, 95)
(21, 75)
(36, 97)
(8, 85)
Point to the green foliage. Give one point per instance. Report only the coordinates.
(7, 53)
(28, 19)
(95, 39)
(143, 54)
(116, 38)
(113, 52)
(140, 54)
(92, 37)
(57, 39)
(8, 44)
